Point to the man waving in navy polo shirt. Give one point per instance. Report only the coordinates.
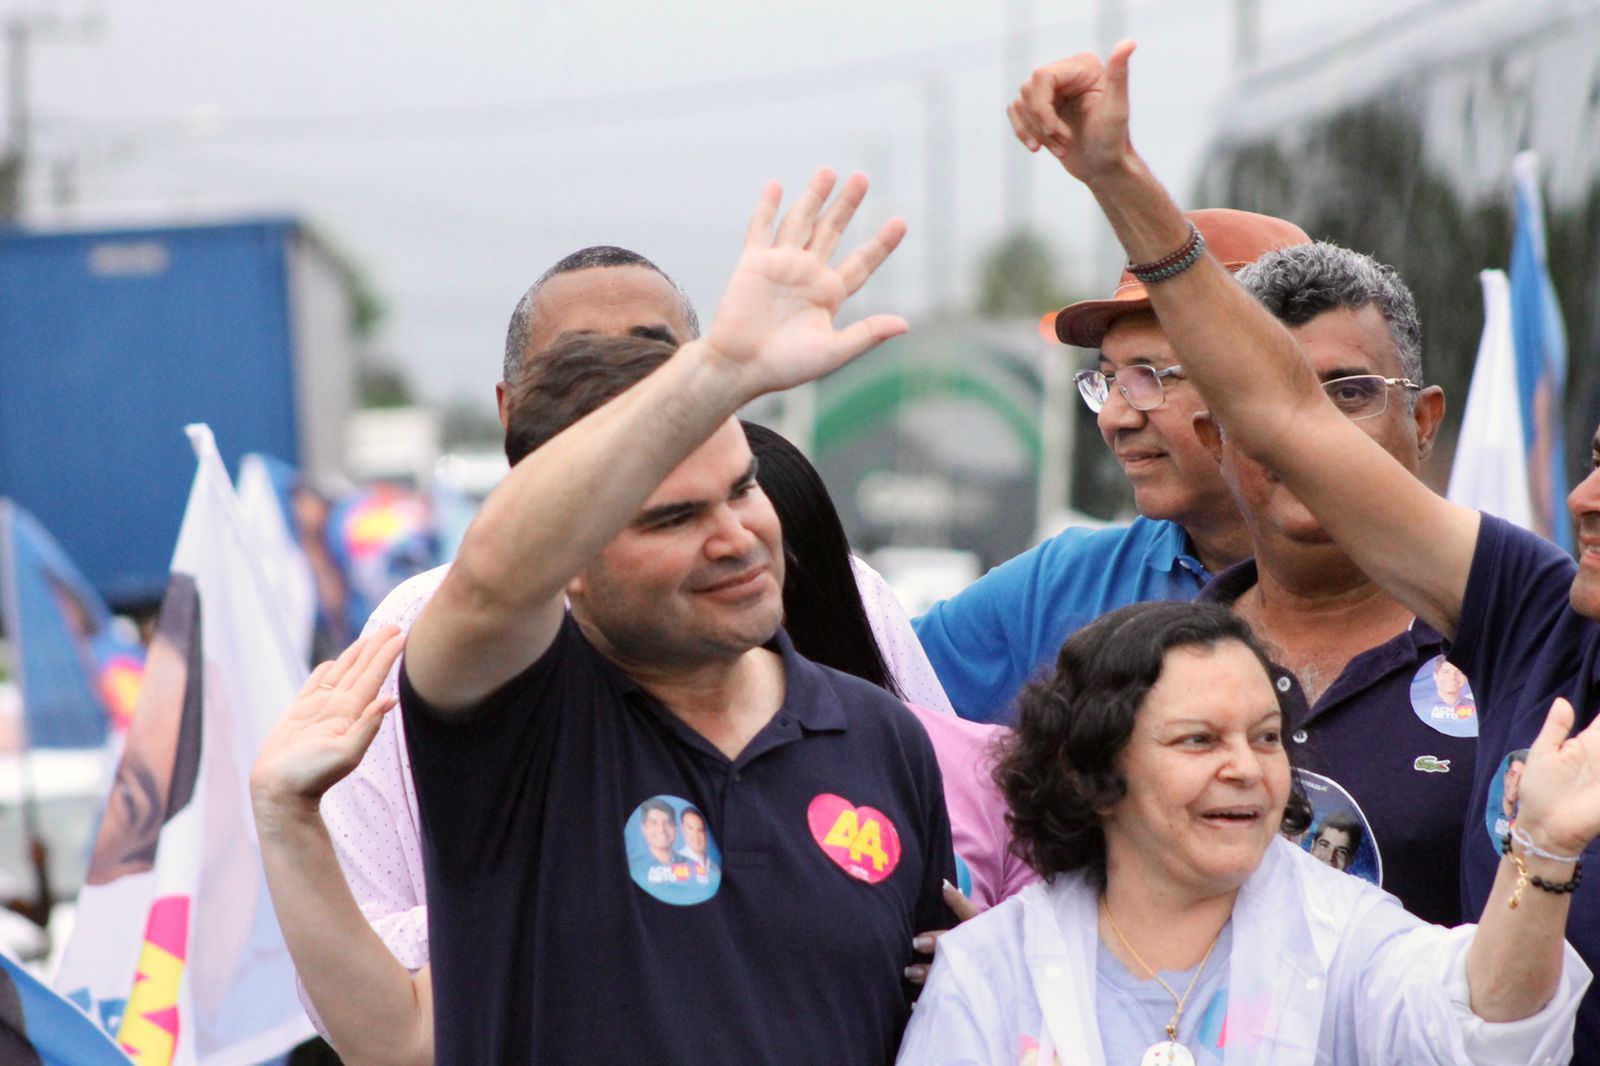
(554, 748)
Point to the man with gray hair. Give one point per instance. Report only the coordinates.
(1352, 656)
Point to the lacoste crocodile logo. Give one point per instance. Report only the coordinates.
(1431, 764)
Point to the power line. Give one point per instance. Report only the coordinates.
(695, 98)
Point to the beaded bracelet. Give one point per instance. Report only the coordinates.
(1524, 880)
(1170, 266)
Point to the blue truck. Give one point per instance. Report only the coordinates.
(112, 339)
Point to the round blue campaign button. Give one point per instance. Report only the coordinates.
(671, 852)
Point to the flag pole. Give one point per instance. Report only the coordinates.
(38, 911)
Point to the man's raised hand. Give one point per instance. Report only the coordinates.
(775, 326)
(1077, 109)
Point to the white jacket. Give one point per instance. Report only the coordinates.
(1325, 968)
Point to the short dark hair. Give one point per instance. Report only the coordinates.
(575, 378)
(1059, 770)
(694, 811)
(658, 805)
(822, 609)
(1346, 823)
(591, 258)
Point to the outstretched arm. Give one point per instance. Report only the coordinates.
(374, 1010)
(1252, 374)
(501, 604)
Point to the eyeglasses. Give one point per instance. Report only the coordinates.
(1140, 385)
(1364, 395)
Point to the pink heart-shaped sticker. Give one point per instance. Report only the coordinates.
(861, 840)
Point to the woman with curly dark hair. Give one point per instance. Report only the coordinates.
(1149, 785)
(1084, 717)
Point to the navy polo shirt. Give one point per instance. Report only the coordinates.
(1523, 645)
(1378, 735)
(559, 936)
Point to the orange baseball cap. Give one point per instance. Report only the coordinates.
(1235, 238)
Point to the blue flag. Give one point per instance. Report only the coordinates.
(77, 676)
(1541, 347)
(39, 1028)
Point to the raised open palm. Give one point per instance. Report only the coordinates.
(776, 320)
(1560, 791)
(331, 723)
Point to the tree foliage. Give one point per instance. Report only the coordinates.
(1363, 177)
(1017, 276)
(381, 384)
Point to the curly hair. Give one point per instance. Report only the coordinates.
(1059, 770)
(1297, 284)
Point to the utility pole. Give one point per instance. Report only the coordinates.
(1246, 34)
(939, 163)
(1019, 172)
(13, 162)
(20, 31)
(1108, 253)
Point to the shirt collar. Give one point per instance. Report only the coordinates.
(808, 695)
(1236, 580)
(1171, 549)
(1229, 585)
(808, 698)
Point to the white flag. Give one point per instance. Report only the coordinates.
(176, 950)
(1490, 471)
(284, 565)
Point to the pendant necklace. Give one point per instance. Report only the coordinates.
(1166, 1052)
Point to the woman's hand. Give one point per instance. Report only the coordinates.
(330, 725)
(926, 943)
(1559, 803)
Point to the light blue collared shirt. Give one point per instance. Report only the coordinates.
(993, 637)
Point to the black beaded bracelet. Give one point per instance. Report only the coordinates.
(1558, 887)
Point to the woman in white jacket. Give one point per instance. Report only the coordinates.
(1148, 782)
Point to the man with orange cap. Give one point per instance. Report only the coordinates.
(989, 640)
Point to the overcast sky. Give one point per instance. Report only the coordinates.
(456, 150)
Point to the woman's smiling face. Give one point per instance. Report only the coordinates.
(1207, 776)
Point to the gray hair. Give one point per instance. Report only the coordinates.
(1301, 282)
(593, 257)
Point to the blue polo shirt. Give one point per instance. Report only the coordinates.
(1378, 735)
(1523, 645)
(994, 636)
(557, 938)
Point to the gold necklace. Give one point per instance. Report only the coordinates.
(1169, 1051)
